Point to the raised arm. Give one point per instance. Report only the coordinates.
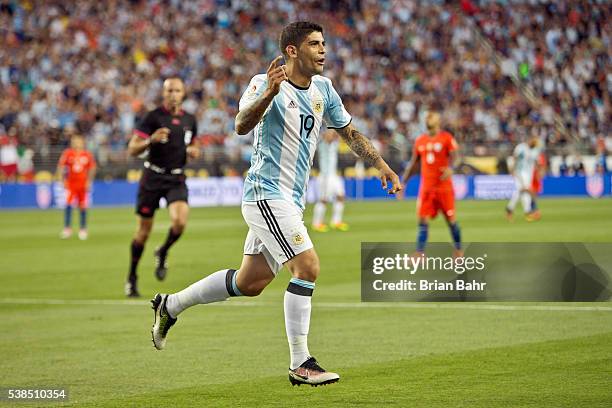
(364, 149)
(250, 115)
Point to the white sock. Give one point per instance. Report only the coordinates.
(526, 202)
(514, 199)
(297, 319)
(338, 211)
(319, 213)
(213, 288)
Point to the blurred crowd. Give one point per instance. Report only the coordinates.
(562, 50)
(94, 67)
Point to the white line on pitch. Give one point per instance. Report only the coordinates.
(328, 305)
(103, 302)
(459, 305)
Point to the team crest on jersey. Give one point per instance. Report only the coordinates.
(317, 106)
(79, 163)
(298, 239)
(437, 146)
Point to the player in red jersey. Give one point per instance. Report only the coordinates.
(537, 186)
(435, 151)
(76, 169)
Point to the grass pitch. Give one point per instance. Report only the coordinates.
(66, 323)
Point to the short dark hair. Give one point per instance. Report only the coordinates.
(295, 33)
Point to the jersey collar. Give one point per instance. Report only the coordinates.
(299, 87)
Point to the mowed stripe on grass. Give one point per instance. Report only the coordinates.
(581, 307)
(491, 377)
(66, 321)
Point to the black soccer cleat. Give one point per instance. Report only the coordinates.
(163, 321)
(161, 268)
(311, 373)
(131, 289)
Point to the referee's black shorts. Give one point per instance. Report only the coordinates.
(154, 186)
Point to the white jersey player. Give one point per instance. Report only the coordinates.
(286, 108)
(331, 185)
(525, 159)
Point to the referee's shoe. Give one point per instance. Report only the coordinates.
(131, 288)
(161, 266)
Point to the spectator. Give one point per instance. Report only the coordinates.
(8, 157)
(95, 66)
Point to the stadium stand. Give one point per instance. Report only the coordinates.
(499, 70)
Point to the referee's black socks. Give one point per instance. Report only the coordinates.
(136, 251)
(170, 240)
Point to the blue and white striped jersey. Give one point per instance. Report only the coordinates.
(286, 138)
(525, 158)
(328, 157)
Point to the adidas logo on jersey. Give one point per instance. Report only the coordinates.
(292, 105)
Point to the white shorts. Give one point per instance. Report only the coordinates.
(330, 187)
(276, 230)
(523, 180)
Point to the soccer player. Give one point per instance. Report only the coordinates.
(167, 136)
(435, 151)
(331, 185)
(76, 170)
(539, 171)
(286, 107)
(525, 158)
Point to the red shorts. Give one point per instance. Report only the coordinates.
(8, 170)
(536, 185)
(78, 195)
(431, 201)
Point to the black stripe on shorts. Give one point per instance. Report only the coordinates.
(265, 203)
(274, 228)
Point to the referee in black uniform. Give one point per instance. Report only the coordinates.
(166, 136)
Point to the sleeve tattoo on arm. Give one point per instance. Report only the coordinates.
(359, 144)
(251, 115)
